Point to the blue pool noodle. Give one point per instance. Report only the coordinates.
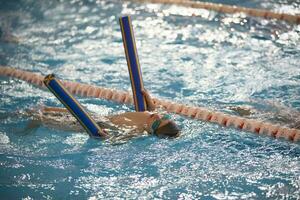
(56, 87)
(133, 64)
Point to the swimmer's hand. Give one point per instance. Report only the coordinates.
(150, 104)
(242, 111)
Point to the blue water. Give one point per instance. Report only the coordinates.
(209, 59)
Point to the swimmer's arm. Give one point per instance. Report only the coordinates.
(150, 104)
(47, 116)
(54, 109)
(242, 111)
(37, 113)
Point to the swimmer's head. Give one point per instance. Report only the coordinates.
(162, 126)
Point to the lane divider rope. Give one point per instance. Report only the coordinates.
(266, 14)
(201, 113)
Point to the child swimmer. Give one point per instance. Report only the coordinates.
(133, 123)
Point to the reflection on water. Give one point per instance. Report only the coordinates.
(187, 55)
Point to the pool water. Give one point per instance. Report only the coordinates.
(190, 56)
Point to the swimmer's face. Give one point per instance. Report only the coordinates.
(162, 126)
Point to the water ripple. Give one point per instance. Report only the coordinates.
(193, 56)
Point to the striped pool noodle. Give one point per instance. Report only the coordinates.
(255, 126)
(266, 14)
(134, 68)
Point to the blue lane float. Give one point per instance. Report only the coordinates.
(74, 107)
(133, 64)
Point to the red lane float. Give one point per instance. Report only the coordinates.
(250, 125)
